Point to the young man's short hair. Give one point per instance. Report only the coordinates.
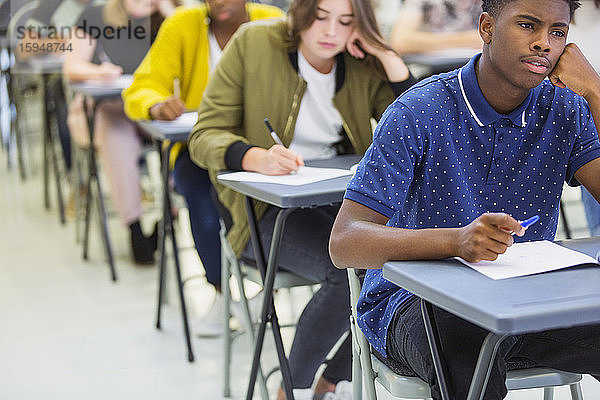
(493, 7)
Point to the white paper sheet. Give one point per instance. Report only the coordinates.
(304, 176)
(530, 258)
(185, 121)
(122, 82)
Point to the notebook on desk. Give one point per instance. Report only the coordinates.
(530, 258)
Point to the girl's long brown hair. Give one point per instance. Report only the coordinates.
(302, 13)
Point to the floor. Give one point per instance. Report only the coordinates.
(69, 333)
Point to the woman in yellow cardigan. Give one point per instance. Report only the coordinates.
(187, 48)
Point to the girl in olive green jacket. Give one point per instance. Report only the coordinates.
(319, 77)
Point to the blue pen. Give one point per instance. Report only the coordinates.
(530, 221)
(525, 224)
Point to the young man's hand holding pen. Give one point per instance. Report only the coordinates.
(486, 237)
(278, 160)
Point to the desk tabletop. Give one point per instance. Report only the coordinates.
(551, 300)
(176, 131)
(311, 195)
(102, 90)
(444, 59)
(39, 65)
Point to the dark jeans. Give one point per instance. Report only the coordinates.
(573, 350)
(193, 183)
(304, 251)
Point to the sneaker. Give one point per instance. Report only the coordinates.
(211, 323)
(303, 394)
(254, 304)
(343, 391)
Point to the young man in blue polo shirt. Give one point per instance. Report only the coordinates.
(455, 163)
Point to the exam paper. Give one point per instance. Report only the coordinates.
(185, 121)
(122, 82)
(530, 258)
(304, 176)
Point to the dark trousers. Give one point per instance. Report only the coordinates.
(193, 183)
(304, 251)
(572, 350)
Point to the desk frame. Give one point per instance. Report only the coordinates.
(166, 230)
(499, 326)
(94, 180)
(97, 94)
(160, 136)
(288, 199)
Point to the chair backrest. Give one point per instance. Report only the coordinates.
(19, 17)
(399, 381)
(283, 279)
(367, 369)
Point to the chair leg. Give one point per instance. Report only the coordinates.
(548, 393)
(226, 293)
(563, 214)
(575, 389)
(360, 345)
(357, 376)
(77, 178)
(248, 324)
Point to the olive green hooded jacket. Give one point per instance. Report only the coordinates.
(257, 78)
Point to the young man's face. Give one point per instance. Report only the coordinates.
(528, 37)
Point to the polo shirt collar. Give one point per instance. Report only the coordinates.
(478, 106)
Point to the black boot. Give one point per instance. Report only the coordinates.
(154, 236)
(141, 246)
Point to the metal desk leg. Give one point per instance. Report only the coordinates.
(167, 230)
(162, 237)
(268, 313)
(14, 110)
(488, 351)
(50, 143)
(435, 346)
(93, 176)
(46, 145)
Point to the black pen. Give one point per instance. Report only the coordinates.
(273, 134)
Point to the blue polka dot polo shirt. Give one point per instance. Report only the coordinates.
(441, 156)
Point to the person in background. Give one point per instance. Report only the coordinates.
(103, 57)
(187, 49)
(386, 12)
(429, 25)
(319, 77)
(585, 31)
(455, 163)
(54, 14)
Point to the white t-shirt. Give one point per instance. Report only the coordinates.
(215, 50)
(319, 123)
